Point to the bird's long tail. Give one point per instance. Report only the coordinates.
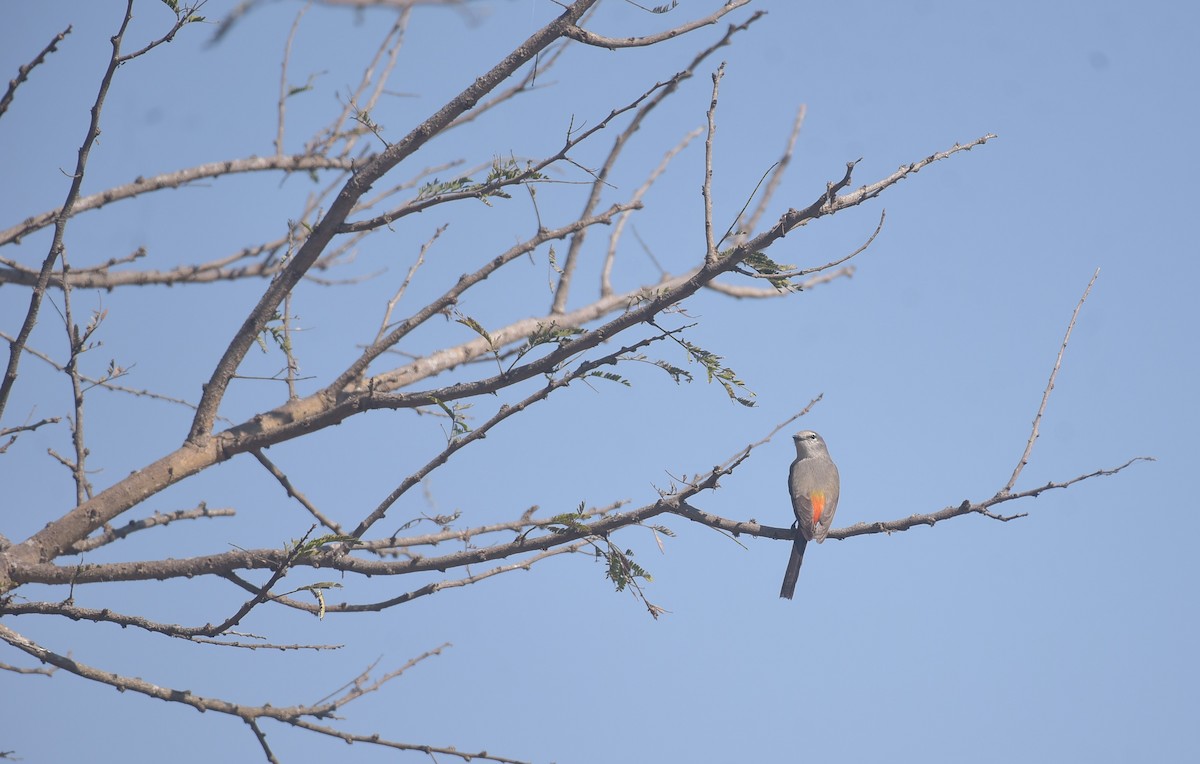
(793, 569)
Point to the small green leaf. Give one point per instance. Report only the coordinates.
(610, 376)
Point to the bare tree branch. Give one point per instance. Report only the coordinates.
(601, 181)
(297, 716)
(104, 382)
(612, 43)
(56, 247)
(12, 433)
(1037, 419)
(324, 231)
(140, 186)
(23, 71)
(710, 251)
(777, 276)
(154, 521)
(775, 176)
(741, 291)
(292, 492)
(189, 633)
(423, 591)
(967, 507)
(285, 90)
(611, 255)
(503, 179)
(262, 740)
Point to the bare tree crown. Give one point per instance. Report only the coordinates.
(589, 328)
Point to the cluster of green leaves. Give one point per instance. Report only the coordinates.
(363, 117)
(192, 18)
(306, 546)
(275, 330)
(503, 172)
(567, 522)
(765, 266)
(477, 327)
(622, 570)
(547, 333)
(714, 369)
(609, 376)
(717, 371)
(458, 420)
(619, 564)
(437, 187)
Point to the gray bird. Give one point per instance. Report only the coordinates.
(814, 484)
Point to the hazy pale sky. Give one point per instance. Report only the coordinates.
(1067, 635)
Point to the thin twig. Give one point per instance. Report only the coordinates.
(284, 88)
(176, 631)
(23, 71)
(827, 266)
(105, 383)
(412, 271)
(292, 366)
(776, 174)
(142, 185)
(1037, 419)
(423, 591)
(389, 47)
(261, 737)
(156, 520)
(710, 251)
(619, 227)
(742, 292)
(294, 493)
(531, 172)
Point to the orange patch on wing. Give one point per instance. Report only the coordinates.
(818, 505)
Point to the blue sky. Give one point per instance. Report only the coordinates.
(1066, 635)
